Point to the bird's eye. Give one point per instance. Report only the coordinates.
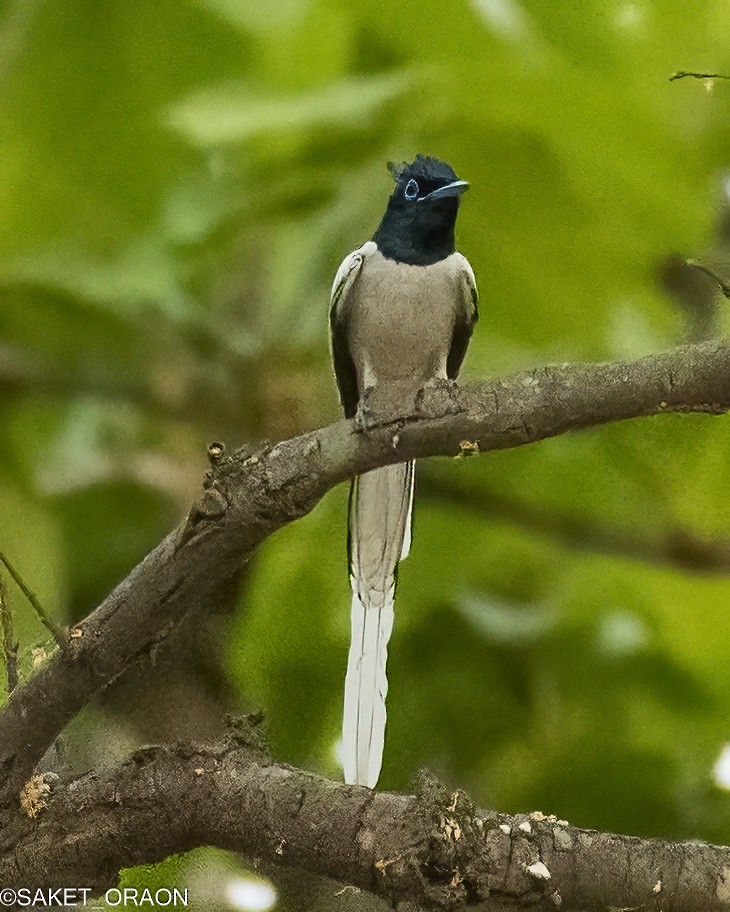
(411, 190)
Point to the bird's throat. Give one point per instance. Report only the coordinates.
(418, 235)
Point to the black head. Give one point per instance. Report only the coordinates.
(418, 225)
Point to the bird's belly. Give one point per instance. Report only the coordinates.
(402, 331)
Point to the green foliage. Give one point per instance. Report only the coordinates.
(178, 184)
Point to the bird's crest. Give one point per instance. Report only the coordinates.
(424, 168)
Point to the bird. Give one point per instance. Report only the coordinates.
(402, 310)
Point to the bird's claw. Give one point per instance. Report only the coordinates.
(437, 397)
(440, 383)
(365, 419)
(376, 408)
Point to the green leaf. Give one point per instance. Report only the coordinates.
(230, 113)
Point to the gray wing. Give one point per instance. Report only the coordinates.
(341, 357)
(466, 317)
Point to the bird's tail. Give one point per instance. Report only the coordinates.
(381, 504)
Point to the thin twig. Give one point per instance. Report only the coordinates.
(10, 647)
(49, 624)
(724, 287)
(681, 74)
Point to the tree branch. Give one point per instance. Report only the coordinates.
(41, 614)
(252, 493)
(10, 646)
(432, 849)
(682, 74)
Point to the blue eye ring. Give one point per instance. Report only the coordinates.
(411, 191)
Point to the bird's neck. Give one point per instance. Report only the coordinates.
(418, 237)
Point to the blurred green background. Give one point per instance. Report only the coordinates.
(179, 180)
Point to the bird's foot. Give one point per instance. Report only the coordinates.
(440, 383)
(437, 397)
(399, 401)
(383, 405)
(366, 417)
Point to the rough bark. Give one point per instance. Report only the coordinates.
(432, 849)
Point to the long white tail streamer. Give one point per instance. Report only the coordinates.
(381, 504)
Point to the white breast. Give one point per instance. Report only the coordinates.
(400, 319)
